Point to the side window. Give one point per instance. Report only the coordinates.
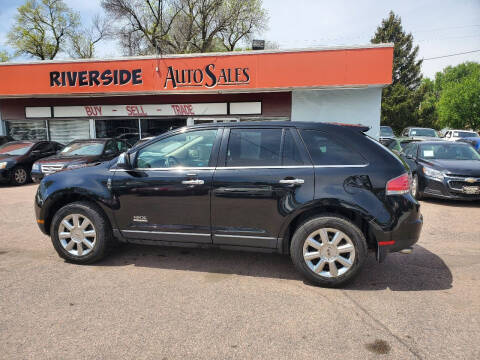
(122, 146)
(291, 153)
(110, 147)
(405, 132)
(326, 151)
(190, 149)
(254, 147)
(411, 150)
(43, 147)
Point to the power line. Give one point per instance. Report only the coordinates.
(444, 56)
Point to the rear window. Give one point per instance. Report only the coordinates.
(326, 151)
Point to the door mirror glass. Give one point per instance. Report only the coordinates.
(123, 162)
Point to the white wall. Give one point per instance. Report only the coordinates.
(350, 106)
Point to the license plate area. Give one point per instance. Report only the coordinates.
(471, 190)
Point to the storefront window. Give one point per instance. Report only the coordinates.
(65, 131)
(27, 130)
(122, 129)
(154, 127)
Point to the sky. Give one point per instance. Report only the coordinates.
(439, 27)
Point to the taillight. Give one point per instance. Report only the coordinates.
(398, 186)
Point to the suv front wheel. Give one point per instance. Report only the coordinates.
(328, 250)
(80, 233)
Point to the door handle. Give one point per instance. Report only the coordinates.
(292, 181)
(193, 182)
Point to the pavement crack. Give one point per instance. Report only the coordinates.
(412, 350)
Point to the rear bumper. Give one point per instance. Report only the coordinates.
(405, 230)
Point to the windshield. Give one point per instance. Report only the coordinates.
(386, 131)
(423, 132)
(83, 149)
(16, 148)
(464, 134)
(448, 152)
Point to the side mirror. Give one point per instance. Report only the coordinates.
(124, 162)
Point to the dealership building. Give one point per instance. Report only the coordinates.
(145, 96)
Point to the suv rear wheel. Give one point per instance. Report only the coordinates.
(328, 250)
(80, 233)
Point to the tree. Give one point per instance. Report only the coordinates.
(459, 103)
(406, 69)
(431, 91)
(83, 41)
(41, 28)
(4, 57)
(143, 24)
(400, 100)
(426, 113)
(185, 26)
(248, 18)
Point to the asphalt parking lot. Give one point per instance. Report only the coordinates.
(169, 303)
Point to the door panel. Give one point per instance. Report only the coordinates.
(253, 190)
(167, 196)
(249, 205)
(159, 205)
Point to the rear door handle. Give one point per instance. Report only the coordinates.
(193, 182)
(292, 181)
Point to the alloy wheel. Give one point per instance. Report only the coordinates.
(329, 252)
(20, 176)
(77, 234)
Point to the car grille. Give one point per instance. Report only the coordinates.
(458, 184)
(48, 169)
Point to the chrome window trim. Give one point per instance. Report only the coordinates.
(164, 233)
(244, 167)
(246, 237)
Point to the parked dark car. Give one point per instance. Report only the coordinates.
(474, 141)
(5, 139)
(17, 157)
(444, 169)
(78, 153)
(419, 133)
(323, 193)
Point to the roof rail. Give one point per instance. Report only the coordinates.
(358, 127)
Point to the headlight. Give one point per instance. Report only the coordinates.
(432, 173)
(3, 165)
(36, 167)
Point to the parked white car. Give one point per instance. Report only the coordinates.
(454, 135)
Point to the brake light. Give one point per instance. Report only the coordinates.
(398, 186)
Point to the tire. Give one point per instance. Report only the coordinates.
(73, 244)
(417, 194)
(349, 237)
(20, 176)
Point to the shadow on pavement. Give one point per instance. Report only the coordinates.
(8, 185)
(421, 270)
(453, 203)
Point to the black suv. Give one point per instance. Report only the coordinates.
(324, 193)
